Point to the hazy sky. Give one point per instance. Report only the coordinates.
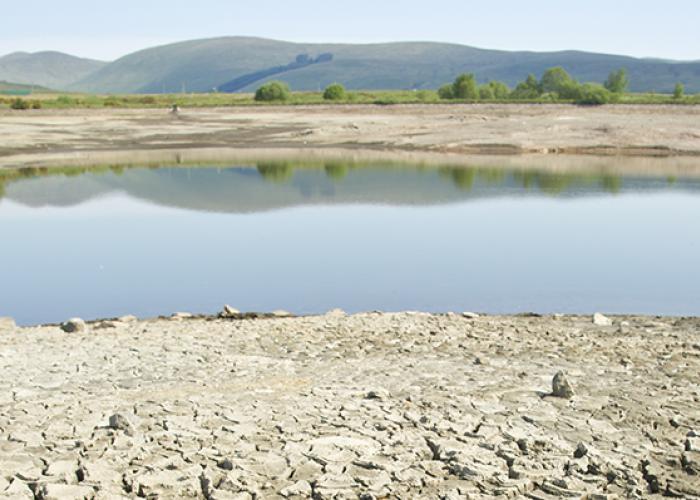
(643, 28)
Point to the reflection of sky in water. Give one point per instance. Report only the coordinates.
(430, 246)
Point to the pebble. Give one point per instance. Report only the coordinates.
(74, 325)
(601, 320)
(561, 387)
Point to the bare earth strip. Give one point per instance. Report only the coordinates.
(82, 137)
(405, 405)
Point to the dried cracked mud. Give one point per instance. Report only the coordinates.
(366, 406)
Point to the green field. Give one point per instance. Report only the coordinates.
(389, 97)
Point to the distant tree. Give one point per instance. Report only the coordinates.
(335, 92)
(486, 93)
(617, 81)
(593, 94)
(465, 87)
(500, 90)
(273, 91)
(529, 89)
(19, 104)
(445, 92)
(678, 91)
(555, 80)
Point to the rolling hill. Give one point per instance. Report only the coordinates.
(235, 64)
(47, 69)
(202, 65)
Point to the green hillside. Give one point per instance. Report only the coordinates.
(202, 65)
(47, 69)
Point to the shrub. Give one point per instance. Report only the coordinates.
(556, 80)
(617, 81)
(500, 90)
(19, 104)
(592, 94)
(36, 104)
(465, 87)
(273, 91)
(335, 92)
(486, 93)
(678, 91)
(445, 92)
(529, 89)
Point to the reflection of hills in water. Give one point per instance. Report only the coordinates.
(278, 185)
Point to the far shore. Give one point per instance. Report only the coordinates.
(651, 139)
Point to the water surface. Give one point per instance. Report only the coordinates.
(309, 238)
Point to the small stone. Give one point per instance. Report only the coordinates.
(470, 315)
(601, 320)
(230, 312)
(226, 464)
(120, 422)
(7, 324)
(282, 314)
(692, 444)
(581, 451)
(561, 387)
(377, 394)
(74, 325)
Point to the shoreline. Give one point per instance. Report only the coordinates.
(451, 133)
(375, 404)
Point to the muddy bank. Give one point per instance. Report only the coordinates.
(82, 137)
(374, 405)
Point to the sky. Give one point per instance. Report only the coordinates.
(641, 28)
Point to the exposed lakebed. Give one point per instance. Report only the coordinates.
(309, 238)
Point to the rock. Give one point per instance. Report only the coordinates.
(692, 444)
(74, 325)
(561, 387)
(601, 320)
(181, 315)
(230, 312)
(128, 319)
(581, 451)
(7, 324)
(120, 422)
(282, 314)
(225, 464)
(377, 394)
(470, 315)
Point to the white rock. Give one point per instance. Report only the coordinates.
(470, 315)
(74, 325)
(230, 312)
(601, 320)
(282, 314)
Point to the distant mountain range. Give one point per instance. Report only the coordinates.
(242, 64)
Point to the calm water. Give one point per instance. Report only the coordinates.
(154, 241)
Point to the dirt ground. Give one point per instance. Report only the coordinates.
(60, 137)
(368, 406)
